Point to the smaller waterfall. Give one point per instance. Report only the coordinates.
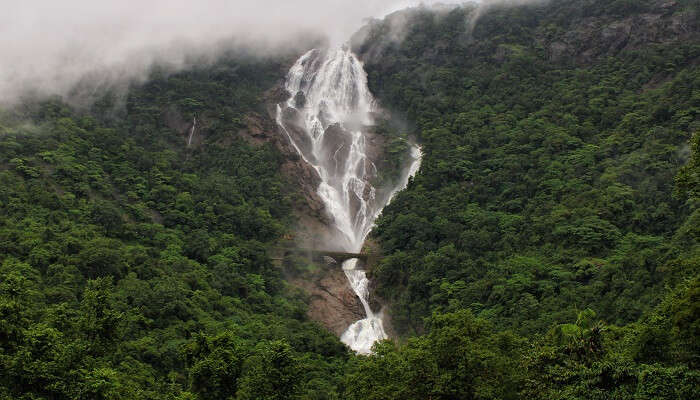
(194, 126)
(410, 172)
(361, 335)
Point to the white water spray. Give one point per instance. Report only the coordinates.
(326, 121)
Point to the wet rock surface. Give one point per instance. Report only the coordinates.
(332, 303)
(338, 141)
(293, 123)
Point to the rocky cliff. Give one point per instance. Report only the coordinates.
(593, 37)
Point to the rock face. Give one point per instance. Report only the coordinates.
(256, 128)
(596, 37)
(333, 303)
(313, 222)
(338, 143)
(297, 133)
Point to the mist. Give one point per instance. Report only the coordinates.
(49, 46)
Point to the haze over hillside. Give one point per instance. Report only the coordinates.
(49, 46)
(494, 201)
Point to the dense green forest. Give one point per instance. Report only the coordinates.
(547, 187)
(134, 267)
(547, 249)
(550, 203)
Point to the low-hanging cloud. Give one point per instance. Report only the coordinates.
(48, 46)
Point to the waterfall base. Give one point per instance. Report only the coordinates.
(361, 335)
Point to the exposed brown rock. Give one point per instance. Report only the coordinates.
(299, 100)
(374, 147)
(256, 130)
(333, 303)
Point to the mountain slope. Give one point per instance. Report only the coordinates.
(135, 266)
(553, 202)
(548, 182)
(547, 249)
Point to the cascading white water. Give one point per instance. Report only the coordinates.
(330, 108)
(194, 126)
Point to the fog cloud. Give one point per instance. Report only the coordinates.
(47, 46)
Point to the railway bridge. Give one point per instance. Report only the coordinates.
(279, 254)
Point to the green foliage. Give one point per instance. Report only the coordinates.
(461, 358)
(272, 373)
(216, 365)
(134, 267)
(547, 185)
(688, 179)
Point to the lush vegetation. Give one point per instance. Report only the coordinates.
(550, 204)
(132, 266)
(546, 187)
(548, 248)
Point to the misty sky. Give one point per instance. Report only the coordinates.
(47, 45)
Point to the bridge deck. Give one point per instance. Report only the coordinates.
(338, 256)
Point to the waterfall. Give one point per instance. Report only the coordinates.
(194, 126)
(326, 121)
